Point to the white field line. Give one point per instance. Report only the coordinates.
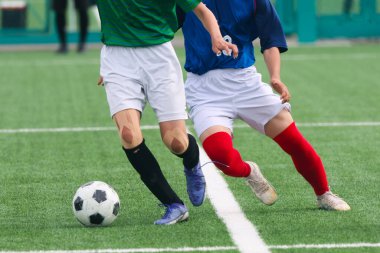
(138, 250)
(327, 246)
(207, 249)
(321, 57)
(242, 231)
(148, 127)
(295, 57)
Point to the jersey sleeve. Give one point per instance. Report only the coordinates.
(269, 27)
(187, 5)
(180, 16)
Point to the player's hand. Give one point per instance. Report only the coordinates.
(219, 46)
(281, 89)
(100, 81)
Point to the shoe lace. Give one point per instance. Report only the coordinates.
(331, 199)
(259, 185)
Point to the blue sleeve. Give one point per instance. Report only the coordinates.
(180, 17)
(269, 27)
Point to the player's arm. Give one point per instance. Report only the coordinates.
(210, 23)
(273, 61)
(273, 42)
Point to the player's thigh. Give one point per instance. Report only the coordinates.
(278, 123)
(205, 118)
(164, 82)
(122, 81)
(209, 98)
(258, 105)
(213, 130)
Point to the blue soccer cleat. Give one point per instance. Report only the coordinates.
(174, 213)
(196, 185)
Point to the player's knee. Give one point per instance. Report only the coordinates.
(219, 153)
(129, 137)
(177, 146)
(176, 141)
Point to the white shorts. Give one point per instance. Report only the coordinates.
(133, 76)
(220, 96)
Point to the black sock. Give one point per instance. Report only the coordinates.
(191, 155)
(150, 173)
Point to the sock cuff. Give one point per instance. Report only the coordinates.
(133, 150)
(290, 130)
(216, 136)
(191, 155)
(190, 146)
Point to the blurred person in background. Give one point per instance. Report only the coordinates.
(60, 7)
(347, 6)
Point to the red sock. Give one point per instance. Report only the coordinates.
(220, 149)
(305, 159)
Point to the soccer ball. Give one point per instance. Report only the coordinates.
(96, 204)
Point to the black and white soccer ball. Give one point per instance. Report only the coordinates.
(96, 204)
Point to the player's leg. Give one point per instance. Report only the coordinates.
(283, 131)
(126, 100)
(166, 96)
(184, 145)
(212, 112)
(217, 142)
(141, 158)
(60, 7)
(82, 9)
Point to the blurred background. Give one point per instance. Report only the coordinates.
(307, 21)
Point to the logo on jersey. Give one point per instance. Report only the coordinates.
(226, 38)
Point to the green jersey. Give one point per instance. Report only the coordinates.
(139, 23)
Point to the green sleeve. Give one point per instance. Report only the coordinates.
(188, 5)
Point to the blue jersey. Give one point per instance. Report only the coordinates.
(240, 22)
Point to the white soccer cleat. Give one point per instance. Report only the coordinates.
(263, 190)
(331, 202)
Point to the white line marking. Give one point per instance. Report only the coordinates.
(337, 124)
(142, 250)
(327, 124)
(320, 57)
(327, 246)
(66, 129)
(207, 249)
(148, 127)
(56, 62)
(290, 57)
(242, 232)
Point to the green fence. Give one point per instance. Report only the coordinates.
(32, 21)
(328, 19)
